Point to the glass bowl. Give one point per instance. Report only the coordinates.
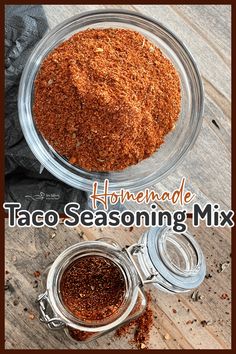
(177, 143)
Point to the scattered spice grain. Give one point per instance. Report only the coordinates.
(78, 335)
(37, 274)
(92, 288)
(35, 284)
(16, 302)
(106, 98)
(31, 316)
(204, 323)
(167, 336)
(208, 276)
(142, 326)
(53, 235)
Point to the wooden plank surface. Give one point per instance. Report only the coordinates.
(28, 251)
(206, 32)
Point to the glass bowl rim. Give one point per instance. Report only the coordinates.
(80, 182)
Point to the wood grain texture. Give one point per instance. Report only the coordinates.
(33, 249)
(206, 32)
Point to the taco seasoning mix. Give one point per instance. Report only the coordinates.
(137, 331)
(106, 98)
(92, 288)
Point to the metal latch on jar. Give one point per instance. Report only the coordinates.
(172, 262)
(44, 309)
(133, 250)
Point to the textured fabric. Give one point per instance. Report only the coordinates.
(25, 25)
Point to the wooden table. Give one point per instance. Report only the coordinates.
(206, 32)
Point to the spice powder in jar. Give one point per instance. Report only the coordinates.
(92, 288)
(106, 98)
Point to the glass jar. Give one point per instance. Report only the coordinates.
(177, 143)
(172, 262)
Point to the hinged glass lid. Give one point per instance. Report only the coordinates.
(171, 261)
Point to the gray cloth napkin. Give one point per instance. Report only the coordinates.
(25, 25)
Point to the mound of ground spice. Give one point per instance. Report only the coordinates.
(79, 336)
(105, 98)
(141, 327)
(92, 288)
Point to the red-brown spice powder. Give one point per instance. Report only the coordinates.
(141, 326)
(79, 336)
(105, 98)
(92, 288)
